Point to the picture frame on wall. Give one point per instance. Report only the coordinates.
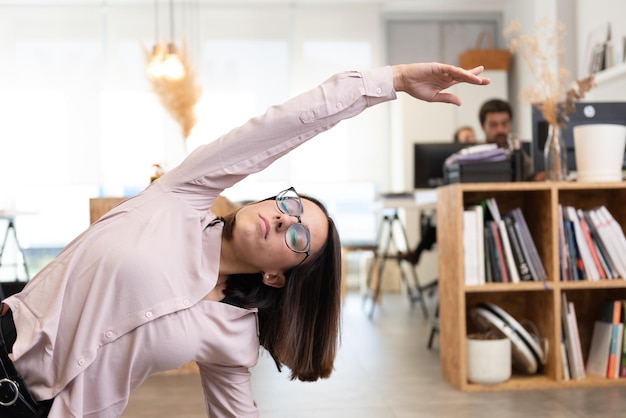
(595, 55)
(598, 59)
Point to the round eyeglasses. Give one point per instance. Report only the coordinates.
(297, 236)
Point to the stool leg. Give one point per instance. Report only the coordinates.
(415, 292)
(434, 328)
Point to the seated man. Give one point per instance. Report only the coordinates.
(496, 117)
(428, 238)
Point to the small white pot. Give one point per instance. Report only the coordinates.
(599, 150)
(488, 361)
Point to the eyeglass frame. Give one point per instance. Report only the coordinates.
(299, 225)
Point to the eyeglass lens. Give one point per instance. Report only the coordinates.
(289, 202)
(297, 236)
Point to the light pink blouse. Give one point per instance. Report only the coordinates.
(125, 298)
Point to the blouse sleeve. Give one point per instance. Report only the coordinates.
(227, 391)
(215, 166)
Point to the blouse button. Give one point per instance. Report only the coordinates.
(379, 90)
(81, 362)
(339, 105)
(149, 314)
(186, 302)
(109, 334)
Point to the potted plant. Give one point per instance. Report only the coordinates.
(488, 357)
(553, 92)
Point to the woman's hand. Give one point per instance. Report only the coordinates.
(425, 81)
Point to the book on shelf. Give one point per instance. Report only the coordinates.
(488, 258)
(589, 267)
(622, 369)
(492, 205)
(601, 247)
(619, 339)
(592, 247)
(470, 268)
(598, 357)
(473, 245)
(508, 253)
(593, 244)
(609, 270)
(491, 259)
(572, 339)
(519, 255)
(574, 259)
(615, 234)
(533, 268)
(480, 242)
(498, 253)
(564, 266)
(564, 362)
(580, 366)
(609, 240)
(528, 243)
(610, 312)
(606, 350)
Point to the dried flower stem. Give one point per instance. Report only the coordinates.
(542, 54)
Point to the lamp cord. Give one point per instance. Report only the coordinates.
(172, 21)
(156, 21)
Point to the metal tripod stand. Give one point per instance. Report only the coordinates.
(384, 238)
(11, 229)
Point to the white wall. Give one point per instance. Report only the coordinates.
(80, 120)
(593, 17)
(581, 17)
(82, 152)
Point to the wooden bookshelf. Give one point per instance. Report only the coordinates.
(539, 302)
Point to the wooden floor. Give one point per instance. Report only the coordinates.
(383, 370)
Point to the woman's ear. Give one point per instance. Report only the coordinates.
(274, 280)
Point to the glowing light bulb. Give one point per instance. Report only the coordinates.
(171, 67)
(155, 65)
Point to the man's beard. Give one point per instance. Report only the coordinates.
(502, 140)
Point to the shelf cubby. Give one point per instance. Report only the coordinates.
(537, 302)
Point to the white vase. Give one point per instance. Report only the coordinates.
(488, 361)
(599, 152)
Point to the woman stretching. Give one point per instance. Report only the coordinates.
(160, 281)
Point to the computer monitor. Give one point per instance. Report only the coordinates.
(584, 113)
(428, 159)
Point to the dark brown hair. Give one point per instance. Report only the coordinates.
(494, 106)
(298, 323)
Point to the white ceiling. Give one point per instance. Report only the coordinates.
(390, 6)
(218, 2)
(409, 3)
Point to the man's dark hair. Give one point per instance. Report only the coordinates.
(494, 106)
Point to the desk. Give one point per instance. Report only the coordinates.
(420, 199)
(392, 231)
(10, 217)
